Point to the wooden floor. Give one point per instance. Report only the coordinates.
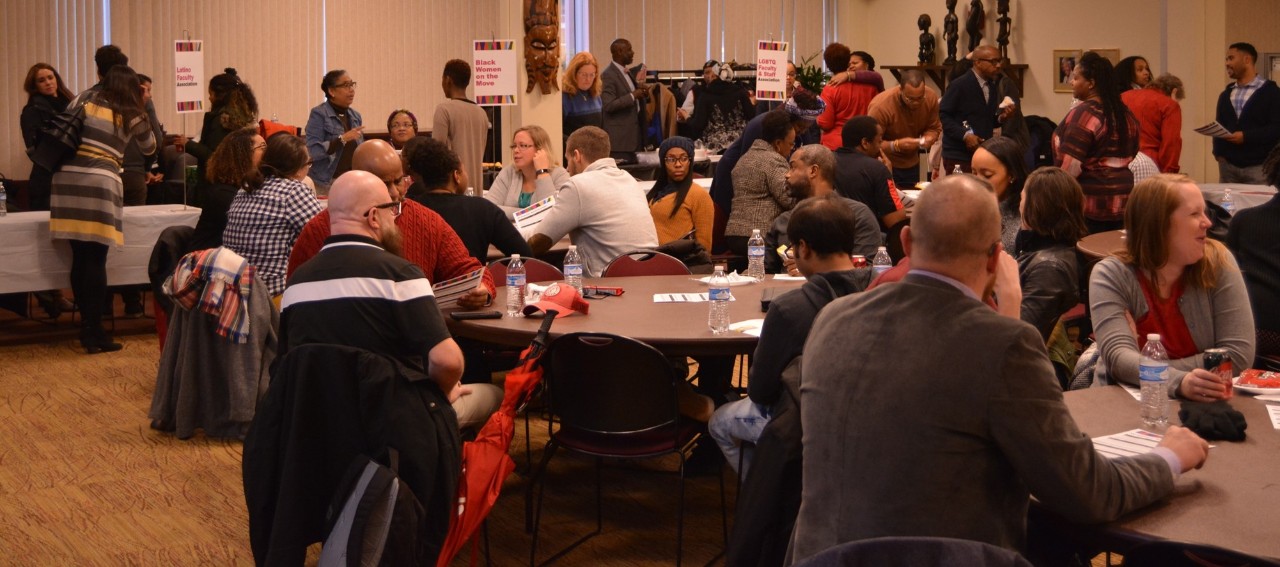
(85, 481)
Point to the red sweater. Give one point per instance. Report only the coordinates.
(1159, 126)
(429, 242)
(844, 101)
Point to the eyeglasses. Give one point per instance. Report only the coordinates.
(396, 181)
(993, 61)
(677, 159)
(395, 207)
(395, 125)
(913, 99)
(525, 147)
(261, 146)
(346, 85)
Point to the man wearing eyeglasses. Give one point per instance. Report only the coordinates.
(429, 241)
(909, 115)
(986, 426)
(971, 110)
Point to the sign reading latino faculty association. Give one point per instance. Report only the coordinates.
(189, 88)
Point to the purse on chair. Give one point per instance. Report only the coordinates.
(58, 139)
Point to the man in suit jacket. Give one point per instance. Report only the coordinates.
(623, 103)
(971, 99)
(954, 442)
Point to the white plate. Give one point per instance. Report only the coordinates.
(734, 282)
(1254, 389)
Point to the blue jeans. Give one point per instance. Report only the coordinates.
(734, 423)
(1252, 175)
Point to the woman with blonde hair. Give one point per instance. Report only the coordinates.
(534, 174)
(1173, 280)
(580, 88)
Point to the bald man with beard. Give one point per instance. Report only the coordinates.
(428, 240)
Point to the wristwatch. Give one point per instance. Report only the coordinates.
(542, 171)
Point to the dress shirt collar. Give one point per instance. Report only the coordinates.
(946, 279)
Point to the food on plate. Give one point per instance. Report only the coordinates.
(1259, 378)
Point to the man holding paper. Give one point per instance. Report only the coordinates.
(1250, 109)
(356, 292)
(601, 208)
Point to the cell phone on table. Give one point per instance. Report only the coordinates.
(469, 315)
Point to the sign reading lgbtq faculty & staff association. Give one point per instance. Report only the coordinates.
(189, 89)
(771, 70)
(493, 72)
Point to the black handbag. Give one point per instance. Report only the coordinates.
(58, 139)
(690, 252)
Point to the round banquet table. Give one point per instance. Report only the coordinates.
(676, 329)
(1102, 244)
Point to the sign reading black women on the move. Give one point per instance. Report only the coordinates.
(188, 76)
(493, 72)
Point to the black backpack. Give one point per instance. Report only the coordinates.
(1041, 131)
(374, 518)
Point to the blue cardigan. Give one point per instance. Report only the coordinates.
(1260, 122)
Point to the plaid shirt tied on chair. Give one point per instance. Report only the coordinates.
(218, 281)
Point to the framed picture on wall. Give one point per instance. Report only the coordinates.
(1112, 55)
(1064, 61)
(1269, 67)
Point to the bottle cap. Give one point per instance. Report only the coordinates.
(515, 257)
(573, 247)
(1153, 336)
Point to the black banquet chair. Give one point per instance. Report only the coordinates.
(612, 397)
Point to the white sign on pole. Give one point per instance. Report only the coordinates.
(771, 70)
(493, 72)
(188, 76)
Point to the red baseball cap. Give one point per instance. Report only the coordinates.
(562, 298)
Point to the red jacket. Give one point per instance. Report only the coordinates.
(1159, 126)
(429, 242)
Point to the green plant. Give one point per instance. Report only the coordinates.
(811, 77)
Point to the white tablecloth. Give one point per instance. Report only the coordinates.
(30, 261)
(1244, 196)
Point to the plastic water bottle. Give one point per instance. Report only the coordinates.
(515, 287)
(1228, 204)
(881, 263)
(573, 268)
(4, 201)
(471, 192)
(956, 170)
(718, 293)
(1153, 372)
(755, 256)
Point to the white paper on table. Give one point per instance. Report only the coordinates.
(749, 327)
(449, 291)
(1135, 392)
(788, 278)
(1275, 415)
(1127, 444)
(533, 214)
(1267, 398)
(1214, 129)
(684, 298)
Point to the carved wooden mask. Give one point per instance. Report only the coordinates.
(542, 44)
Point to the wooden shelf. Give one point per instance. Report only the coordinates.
(939, 73)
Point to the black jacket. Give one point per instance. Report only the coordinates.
(770, 496)
(962, 103)
(326, 405)
(1050, 277)
(1260, 122)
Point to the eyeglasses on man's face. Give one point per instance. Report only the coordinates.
(395, 207)
(993, 61)
(397, 181)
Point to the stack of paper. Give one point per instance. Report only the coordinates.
(533, 214)
(1274, 410)
(1214, 129)
(1127, 444)
(683, 298)
(449, 291)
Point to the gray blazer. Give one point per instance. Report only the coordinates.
(621, 115)
(950, 438)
